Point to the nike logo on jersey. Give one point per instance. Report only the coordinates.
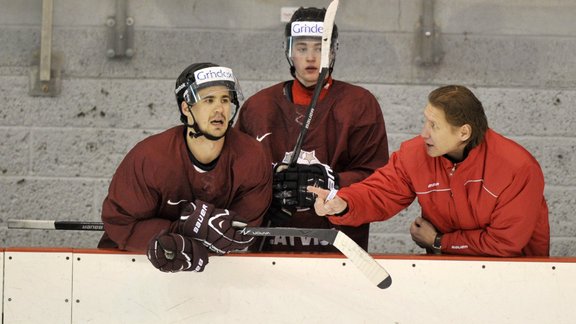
(260, 138)
(170, 202)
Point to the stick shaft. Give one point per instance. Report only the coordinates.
(328, 235)
(309, 115)
(55, 225)
(361, 259)
(329, 18)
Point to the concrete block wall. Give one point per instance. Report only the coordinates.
(58, 154)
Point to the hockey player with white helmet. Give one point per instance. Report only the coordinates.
(346, 139)
(176, 193)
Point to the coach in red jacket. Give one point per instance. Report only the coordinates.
(480, 193)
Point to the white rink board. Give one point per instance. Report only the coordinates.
(37, 287)
(125, 288)
(261, 289)
(2, 278)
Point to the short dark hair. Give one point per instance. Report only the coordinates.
(461, 107)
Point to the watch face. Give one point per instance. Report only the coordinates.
(437, 242)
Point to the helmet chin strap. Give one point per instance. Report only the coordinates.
(198, 132)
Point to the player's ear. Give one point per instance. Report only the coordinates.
(187, 110)
(465, 132)
(184, 108)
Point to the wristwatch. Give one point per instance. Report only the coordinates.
(437, 245)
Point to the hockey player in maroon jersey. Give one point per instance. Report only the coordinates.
(176, 193)
(346, 139)
(480, 193)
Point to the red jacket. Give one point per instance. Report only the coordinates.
(492, 203)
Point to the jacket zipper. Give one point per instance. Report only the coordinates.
(453, 169)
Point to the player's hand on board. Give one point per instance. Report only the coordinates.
(171, 252)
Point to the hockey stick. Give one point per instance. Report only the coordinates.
(329, 18)
(360, 258)
(55, 225)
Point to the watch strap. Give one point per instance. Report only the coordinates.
(437, 245)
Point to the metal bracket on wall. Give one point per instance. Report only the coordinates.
(428, 43)
(45, 72)
(120, 33)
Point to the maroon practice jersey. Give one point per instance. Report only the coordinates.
(347, 133)
(157, 177)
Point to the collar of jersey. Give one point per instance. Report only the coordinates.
(303, 95)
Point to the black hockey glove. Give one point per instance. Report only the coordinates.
(212, 227)
(289, 184)
(171, 252)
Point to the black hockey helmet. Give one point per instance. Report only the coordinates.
(201, 75)
(293, 29)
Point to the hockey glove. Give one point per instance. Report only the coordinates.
(290, 182)
(171, 252)
(212, 227)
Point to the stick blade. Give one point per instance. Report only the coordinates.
(363, 261)
(329, 19)
(385, 283)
